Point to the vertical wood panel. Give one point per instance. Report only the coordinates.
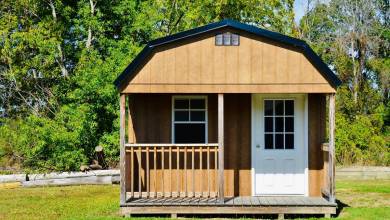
(194, 63)
(256, 62)
(169, 66)
(269, 65)
(207, 67)
(219, 65)
(316, 129)
(293, 59)
(181, 64)
(281, 67)
(244, 61)
(231, 58)
(237, 142)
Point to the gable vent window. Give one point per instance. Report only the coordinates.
(227, 39)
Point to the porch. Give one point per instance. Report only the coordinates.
(279, 205)
(212, 178)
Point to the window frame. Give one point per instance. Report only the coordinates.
(173, 122)
(284, 123)
(222, 35)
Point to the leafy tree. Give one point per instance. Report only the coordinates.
(58, 60)
(352, 37)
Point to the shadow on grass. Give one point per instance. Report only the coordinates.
(340, 207)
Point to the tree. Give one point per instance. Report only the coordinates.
(59, 58)
(352, 37)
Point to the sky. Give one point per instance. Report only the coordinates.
(299, 11)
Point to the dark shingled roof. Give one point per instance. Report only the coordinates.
(131, 69)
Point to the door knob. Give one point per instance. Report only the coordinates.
(258, 146)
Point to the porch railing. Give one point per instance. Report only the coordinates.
(172, 170)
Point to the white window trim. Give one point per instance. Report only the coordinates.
(173, 122)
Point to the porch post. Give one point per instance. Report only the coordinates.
(331, 163)
(122, 119)
(221, 149)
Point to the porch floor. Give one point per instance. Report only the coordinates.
(233, 201)
(235, 205)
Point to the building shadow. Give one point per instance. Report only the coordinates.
(340, 206)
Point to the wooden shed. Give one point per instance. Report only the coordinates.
(227, 118)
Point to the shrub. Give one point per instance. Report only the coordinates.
(360, 141)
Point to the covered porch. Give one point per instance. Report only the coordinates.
(168, 178)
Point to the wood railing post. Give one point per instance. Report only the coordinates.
(162, 171)
(147, 177)
(221, 148)
(331, 162)
(132, 171)
(139, 157)
(208, 171)
(185, 173)
(178, 171)
(122, 119)
(155, 171)
(193, 170)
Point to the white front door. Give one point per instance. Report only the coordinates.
(279, 144)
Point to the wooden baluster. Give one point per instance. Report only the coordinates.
(216, 170)
(147, 172)
(132, 171)
(177, 171)
(201, 169)
(185, 172)
(208, 171)
(155, 171)
(139, 171)
(193, 171)
(162, 170)
(170, 171)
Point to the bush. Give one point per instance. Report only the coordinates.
(360, 141)
(40, 143)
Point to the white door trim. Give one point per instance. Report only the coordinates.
(306, 138)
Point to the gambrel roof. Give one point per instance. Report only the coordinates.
(300, 45)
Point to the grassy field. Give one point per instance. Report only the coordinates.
(358, 199)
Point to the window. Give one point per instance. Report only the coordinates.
(189, 119)
(227, 39)
(279, 124)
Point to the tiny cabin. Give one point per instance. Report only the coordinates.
(227, 118)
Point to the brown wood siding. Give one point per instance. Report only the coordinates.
(317, 136)
(257, 65)
(152, 124)
(238, 145)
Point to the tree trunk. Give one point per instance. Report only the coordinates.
(89, 38)
(60, 59)
(355, 83)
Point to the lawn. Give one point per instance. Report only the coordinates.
(359, 200)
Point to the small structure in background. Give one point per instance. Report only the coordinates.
(98, 163)
(220, 123)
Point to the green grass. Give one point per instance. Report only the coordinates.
(368, 199)
(360, 200)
